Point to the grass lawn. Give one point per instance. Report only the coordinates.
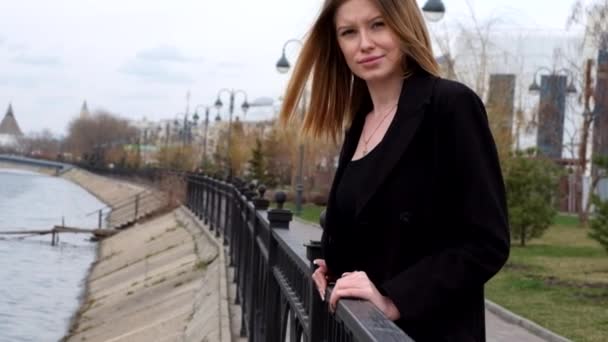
(559, 281)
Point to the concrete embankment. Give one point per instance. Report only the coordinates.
(160, 280)
(107, 190)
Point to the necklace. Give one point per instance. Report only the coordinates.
(366, 141)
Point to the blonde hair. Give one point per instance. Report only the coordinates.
(337, 94)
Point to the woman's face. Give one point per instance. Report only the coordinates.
(371, 49)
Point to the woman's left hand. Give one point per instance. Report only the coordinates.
(357, 285)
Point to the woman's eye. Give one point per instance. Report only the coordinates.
(377, 24)
(347, 32)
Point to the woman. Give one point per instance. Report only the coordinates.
(416, 220)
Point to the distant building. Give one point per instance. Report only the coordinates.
(9, 130)
(523, 53)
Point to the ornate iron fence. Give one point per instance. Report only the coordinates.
(272, 257)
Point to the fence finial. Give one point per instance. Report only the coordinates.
(260, 202)
(280, 197)
(279, 217)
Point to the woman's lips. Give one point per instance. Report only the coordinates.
(370, 60)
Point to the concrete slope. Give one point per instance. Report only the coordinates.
(148, 284)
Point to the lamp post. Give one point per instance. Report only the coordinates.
(186, 131)
(244, 106)
(207, 108)
(433, 10)
(553, 89)
(283, 67)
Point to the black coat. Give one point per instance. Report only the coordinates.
(434, 227)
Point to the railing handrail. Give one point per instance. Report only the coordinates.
(119, 204)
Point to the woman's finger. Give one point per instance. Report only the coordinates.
(320, 263)
(321, 282)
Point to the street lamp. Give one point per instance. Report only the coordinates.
(186, 131)
(207, 108)
(570, 89)
(434, 10)
(283, 67)
(218, 104)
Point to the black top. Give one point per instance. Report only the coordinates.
(355, 182)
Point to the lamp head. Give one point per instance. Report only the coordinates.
(534, 87)
(245, 107)
(218, 104)
(434, 10)
(283, 64)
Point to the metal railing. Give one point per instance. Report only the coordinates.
(131, 209)
(273, 270)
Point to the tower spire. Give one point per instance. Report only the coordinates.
(84, 111)
(9, 125)
(9, 111)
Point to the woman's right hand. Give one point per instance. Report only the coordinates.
(320, 276)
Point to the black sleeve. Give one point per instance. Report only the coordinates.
(484, 248)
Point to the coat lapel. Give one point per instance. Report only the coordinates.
(415, 95)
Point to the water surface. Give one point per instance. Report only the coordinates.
(40, 284)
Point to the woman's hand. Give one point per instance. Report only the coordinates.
(320, 276)
(357, 285)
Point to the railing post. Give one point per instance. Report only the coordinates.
(218, 213)
(136, 206)
(258, 271)
(199, 197)
(234, 223)
(99, 219)
(212, 186)
(316, 305)
(207, 190)
(245, 267)
(278, 218)
(222, 207)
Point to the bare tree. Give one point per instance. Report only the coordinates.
(593, 16)
(93, 136)
(42, 144)
(474, 37)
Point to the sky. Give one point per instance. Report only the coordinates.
(140, 58)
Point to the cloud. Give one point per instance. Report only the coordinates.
(31, 60)
(19, 81)
(166, 53)
(231, 65)
(154, 72)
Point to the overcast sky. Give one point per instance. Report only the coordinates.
(139, 58)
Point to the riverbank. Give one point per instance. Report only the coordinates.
(108, 190)
(159, 280)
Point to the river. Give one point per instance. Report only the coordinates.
(40, 284)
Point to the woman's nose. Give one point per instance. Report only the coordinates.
(366, 40)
